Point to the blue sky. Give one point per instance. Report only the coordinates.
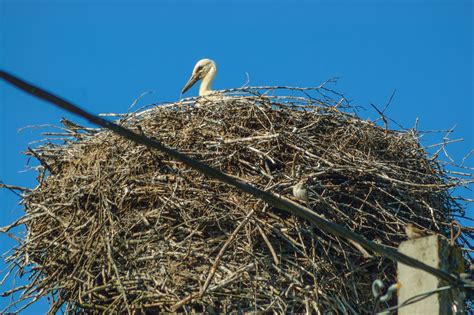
(103, 54)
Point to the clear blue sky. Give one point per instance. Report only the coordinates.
(103, 54)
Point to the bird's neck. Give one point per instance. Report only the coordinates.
(206, 84)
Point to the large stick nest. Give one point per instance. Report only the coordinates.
(114, 226)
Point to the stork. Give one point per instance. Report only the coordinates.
(205, 70)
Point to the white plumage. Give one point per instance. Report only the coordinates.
(204, 70)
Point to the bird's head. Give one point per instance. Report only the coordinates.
(203, 68)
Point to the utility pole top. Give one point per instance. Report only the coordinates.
(436, 252)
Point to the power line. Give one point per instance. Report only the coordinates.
(418, 297)
(276, 201)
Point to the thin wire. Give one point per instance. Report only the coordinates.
(422, 296)
(376, 305)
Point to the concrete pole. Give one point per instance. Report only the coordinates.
(434, 251)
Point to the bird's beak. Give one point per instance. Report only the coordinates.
(194, 78)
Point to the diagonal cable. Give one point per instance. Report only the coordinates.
(274, 200)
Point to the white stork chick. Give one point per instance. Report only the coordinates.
(205, 70)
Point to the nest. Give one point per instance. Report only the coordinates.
(114, 226)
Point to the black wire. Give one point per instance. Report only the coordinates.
(283, 204)
(422, 296)
(376, 305)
